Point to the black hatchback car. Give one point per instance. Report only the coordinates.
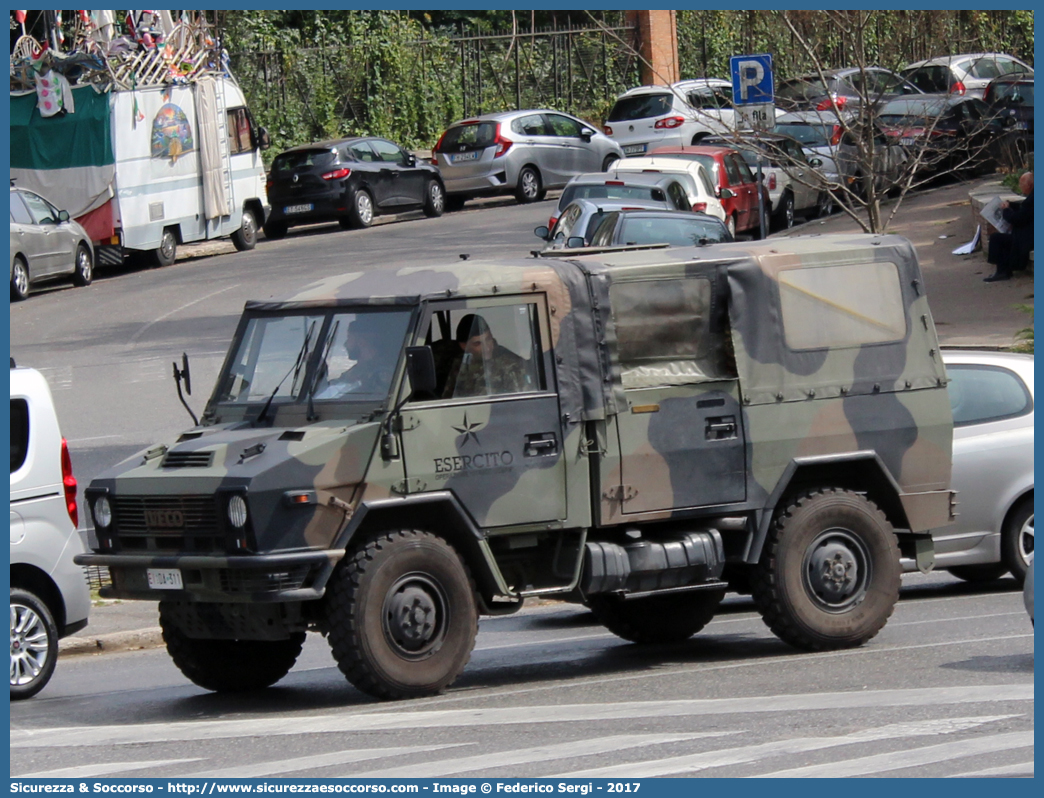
(349, 181)
(1010, 99)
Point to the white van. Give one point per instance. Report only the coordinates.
(49, 593)
(145, 170)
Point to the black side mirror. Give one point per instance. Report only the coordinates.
(63, 216)
(420, 368)
(263, 139)
(573, 242)
(411, 159)
(542, 233)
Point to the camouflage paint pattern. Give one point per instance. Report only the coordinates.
(659, 453)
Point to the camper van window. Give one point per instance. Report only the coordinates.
(239, 139)
(664, 333)
(842, 306)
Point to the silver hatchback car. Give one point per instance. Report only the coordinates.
(524, 153)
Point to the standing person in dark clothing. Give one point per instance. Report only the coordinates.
(1010, 251)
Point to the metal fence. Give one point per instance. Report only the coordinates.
(411, 91)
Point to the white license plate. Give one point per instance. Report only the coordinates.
(298, 208)
(164, 578)
(906, 142)
(634, 149)
(464, 156)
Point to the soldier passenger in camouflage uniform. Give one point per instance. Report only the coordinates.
(483, 366)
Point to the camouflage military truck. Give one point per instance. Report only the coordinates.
(641, 430)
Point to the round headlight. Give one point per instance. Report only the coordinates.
(237, 512)
(102, 512)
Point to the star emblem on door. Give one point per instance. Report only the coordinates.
(468, 431)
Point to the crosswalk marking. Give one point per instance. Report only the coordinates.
(21, 739)
(542, 753)
(1017, 769)
(103, 769)
(317, 761)
(691, 763)
(897, 760)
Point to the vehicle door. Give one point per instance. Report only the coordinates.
(492, 434)
(743, 184)
(803, 182)
(543, 148)
(55, 253)
(373, 173)
(406, 178)
(681, 432)
(582, 154)
(27, 236)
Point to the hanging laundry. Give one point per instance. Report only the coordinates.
(53, 94)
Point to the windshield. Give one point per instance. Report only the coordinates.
(336, 355)
(612, 191)
(676, 231)
(1012, 94)
(809, 135)
(641, 106)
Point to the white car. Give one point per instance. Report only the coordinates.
(703, 199)
(991, 394)
(49, 593)
(648, 117)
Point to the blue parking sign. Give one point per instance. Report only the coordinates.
(752, 79)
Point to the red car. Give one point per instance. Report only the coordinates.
(735, 184)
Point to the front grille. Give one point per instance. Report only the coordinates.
(241, 581)
(167, 524)
(188, 460)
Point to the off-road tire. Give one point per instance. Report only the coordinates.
(983, 572)
(34, 644)
(836, 532)
(230, 666)
(167, 252)
(362, 210)
(245, 238)
(404, 575)
(530, 186)
(83, 271)
(670, 618)
(1017, 540)
(434, 199)
(275, 230)
(19, 280)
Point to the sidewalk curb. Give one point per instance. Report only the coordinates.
(133, 640)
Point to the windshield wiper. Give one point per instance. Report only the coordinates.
(302, 358)
(319, 371)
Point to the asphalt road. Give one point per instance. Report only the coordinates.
(946, 689)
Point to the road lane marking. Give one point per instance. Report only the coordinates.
(102, 769)
(385, 720)
(316, 761)
(1017, 769)
(704, 760)
(134, 338)
(898, 760)
(526, 756)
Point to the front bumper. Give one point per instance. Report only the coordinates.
(261, 578)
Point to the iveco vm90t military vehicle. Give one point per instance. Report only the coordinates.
(389, 454)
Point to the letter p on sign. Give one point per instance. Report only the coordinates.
(751, 73)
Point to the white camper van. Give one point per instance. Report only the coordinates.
(144, 169)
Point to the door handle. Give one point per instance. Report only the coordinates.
(720, 428)
(541, 443)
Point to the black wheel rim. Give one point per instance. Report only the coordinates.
(836, 570)
(414, 616)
